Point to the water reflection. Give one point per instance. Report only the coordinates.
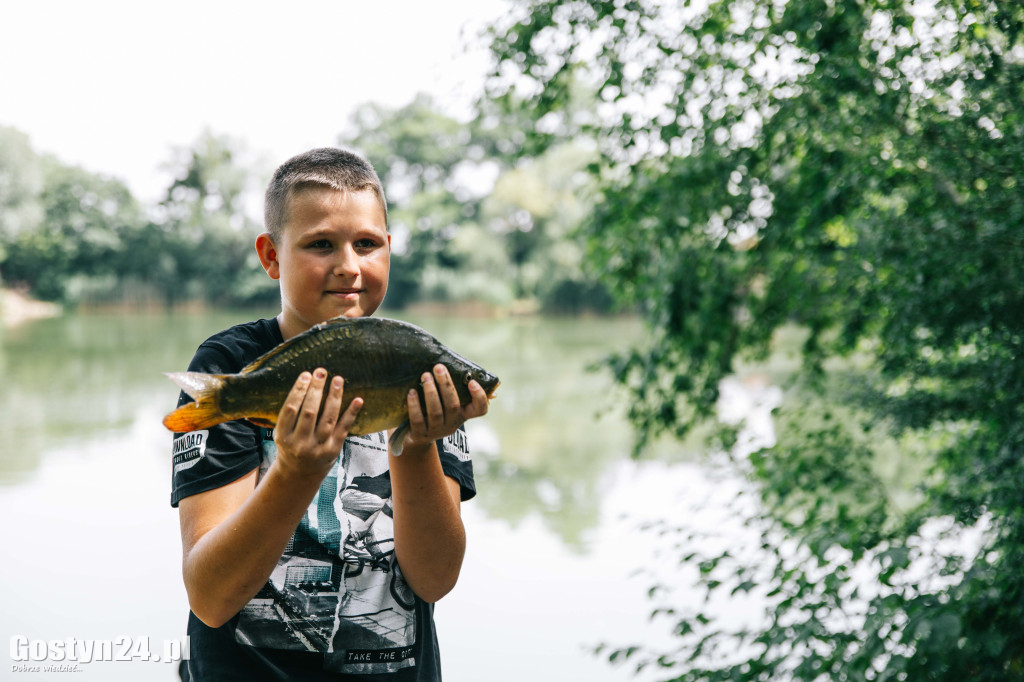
(551, 433)
(546, 571)
(554, 430)
(78, 376)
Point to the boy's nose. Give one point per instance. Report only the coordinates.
(346, 263)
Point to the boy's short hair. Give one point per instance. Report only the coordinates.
(327, 167)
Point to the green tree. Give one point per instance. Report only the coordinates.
(537, 207)
(436, 171)
(21, 181)
(200, 245)
(851, 167)
(78, 241)
(472, 218)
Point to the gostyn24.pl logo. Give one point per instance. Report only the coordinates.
(30, 653)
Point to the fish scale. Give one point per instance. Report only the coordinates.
(380, 359)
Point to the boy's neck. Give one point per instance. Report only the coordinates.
(290, 329)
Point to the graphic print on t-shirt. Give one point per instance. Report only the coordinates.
(337, 588)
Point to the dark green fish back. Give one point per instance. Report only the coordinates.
(367, 352)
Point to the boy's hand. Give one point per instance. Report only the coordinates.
(442, 414)
(306, 445)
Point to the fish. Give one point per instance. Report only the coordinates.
(379, 358)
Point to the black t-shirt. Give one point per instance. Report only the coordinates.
(336, 607)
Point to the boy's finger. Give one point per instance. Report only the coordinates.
(289, 412)
(348, 418)
(480, 403)
(417, 423)
(332, 409)
(310, 410)
(446, 390)
(432, 407)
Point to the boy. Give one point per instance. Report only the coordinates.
(309, 554)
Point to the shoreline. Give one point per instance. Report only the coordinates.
(16, 308)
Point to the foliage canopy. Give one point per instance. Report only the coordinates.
(471, 220)
(851, 167)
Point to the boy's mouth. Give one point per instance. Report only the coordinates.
(344, 293)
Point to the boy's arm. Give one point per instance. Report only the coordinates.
(233, 536)
(430, 540)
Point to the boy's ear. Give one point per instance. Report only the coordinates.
(267, 252)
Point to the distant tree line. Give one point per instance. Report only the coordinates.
(473, 220)
(70, 235)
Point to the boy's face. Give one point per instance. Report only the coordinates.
(333, 257)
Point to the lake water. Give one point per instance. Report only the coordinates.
(556, 562)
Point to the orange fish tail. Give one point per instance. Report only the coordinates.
(193, 417)
(205, 411)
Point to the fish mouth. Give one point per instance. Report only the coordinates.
(490, 396)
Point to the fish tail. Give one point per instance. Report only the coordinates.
(397, 440)
(205, 411)
(197, 385)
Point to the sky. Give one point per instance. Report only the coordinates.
(115, 85)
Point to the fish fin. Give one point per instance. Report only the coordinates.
(397, 440)
(194, 416)
(205, 411)
(263, 359)
(260, 421)
(339, 321)
(197, 385)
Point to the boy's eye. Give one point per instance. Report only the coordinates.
(320, 244)
(366, 244)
